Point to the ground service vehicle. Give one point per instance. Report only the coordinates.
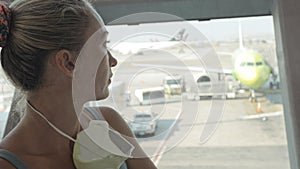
(150, 95)
(143, 124)
(206, 88)
(174, 85)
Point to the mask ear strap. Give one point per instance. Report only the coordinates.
(58, 130)
(55, 128)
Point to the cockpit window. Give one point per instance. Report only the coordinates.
(243, 64)
(259, 63)
(250, 64)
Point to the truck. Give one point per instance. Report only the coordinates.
(143, 123)
(174, 85)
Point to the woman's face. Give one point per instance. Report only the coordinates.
(104, 72)
(103, 76)
(96, 61)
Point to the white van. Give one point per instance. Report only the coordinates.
(150, 95)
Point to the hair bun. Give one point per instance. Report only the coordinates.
(5, 16)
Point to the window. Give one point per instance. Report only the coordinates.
(6, 95)
(250, 64)
(248, 134)
(259, 63)
(173, 81)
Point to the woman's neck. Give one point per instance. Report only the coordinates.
(57, 107)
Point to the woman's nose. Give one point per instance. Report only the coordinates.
(112, 61)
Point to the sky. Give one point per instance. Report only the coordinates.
(212, 30)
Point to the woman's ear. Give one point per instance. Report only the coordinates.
(65, 62)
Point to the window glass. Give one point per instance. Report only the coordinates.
(250, 132)
(250, 64)
(6, 94)
(259, 63)
(222, 127)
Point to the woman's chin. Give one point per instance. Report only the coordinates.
(102, 96)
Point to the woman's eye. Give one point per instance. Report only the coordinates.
(105, 44)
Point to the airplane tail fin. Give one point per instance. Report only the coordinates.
(240, 35)
(179, 35)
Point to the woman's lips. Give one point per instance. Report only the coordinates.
(109, 80)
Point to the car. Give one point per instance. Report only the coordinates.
(143, 124)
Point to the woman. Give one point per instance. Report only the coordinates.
(42, 44)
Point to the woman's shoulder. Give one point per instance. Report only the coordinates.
(109, 113)
(8, 158)
(115, 120)
(5, 164)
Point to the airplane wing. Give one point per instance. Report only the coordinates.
(261, 116)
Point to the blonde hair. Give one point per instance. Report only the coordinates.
(39, 27)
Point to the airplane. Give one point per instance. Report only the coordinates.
(250, 68)
(126, 48)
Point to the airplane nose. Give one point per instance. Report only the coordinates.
(248, 75)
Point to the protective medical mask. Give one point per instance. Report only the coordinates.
(96, 147)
